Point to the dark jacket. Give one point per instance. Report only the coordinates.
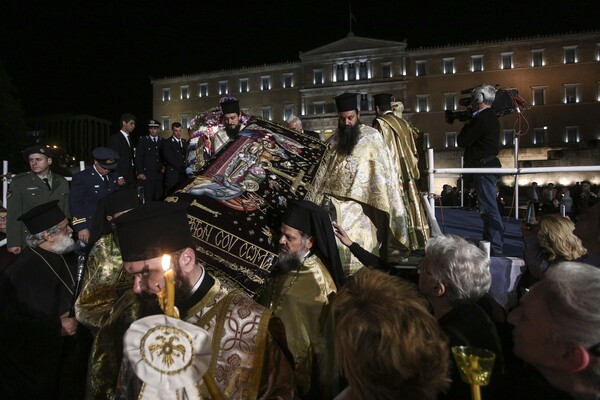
(480, 137)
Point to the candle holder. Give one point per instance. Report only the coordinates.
(475, 366)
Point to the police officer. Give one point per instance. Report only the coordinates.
(30, 189)
(89, 186)
(149, 163)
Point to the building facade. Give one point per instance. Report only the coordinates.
(557, 76)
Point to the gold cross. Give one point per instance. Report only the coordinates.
(296, 180)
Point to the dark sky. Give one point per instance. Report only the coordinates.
(97, 57)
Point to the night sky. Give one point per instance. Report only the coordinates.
(97, 57)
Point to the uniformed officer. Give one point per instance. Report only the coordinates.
(149, 163)
(30, 189)
(89, 186)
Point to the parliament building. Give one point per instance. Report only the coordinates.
(556, 76)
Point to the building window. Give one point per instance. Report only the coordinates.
(537, 58)
(185, 121)
(339, 73)
(203, 92)
(166, 94)
(570, 55)
(265, 83)
(506, 60)
(364, 102)
(571, 94)
(508, 137)
(426, 144)
(244, 85)
(351, 72)
(572, 134)
(450, 139)
(166, 123)
(539, 136)
(476, 63)
(319, 107)
(318, 76)
(449, 66)
(539, 96)
(449, 101)
(288, 81)
(420, 68)
(265, 112)
(362, 70)
(185, 92)
(223, 87)
(422, 103)
(386, 70)
(288, 111)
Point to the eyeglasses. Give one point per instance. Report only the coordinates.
(2, 219)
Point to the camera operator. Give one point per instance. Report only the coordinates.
(479, 137)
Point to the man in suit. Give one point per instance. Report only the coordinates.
(30, 189)
(480, 137)
(91, 185)
(174, 152)
(149, 163)
(295, 124)
(122, 143)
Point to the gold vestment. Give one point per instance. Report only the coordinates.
(368, 198)
(301, 300)
(400, 141)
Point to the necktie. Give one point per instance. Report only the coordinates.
(47, 183)
(180, 143)
(105, 179)
(127, 138)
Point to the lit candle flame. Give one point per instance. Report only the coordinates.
(166, 262)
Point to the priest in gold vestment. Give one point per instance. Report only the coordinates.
(247, 358)
(365, 190)
(400, 141)
(308, 274)
(107, 304)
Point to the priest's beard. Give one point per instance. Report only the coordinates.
(233, 132)
(182, 286)
(348, 137)
(65, 244)
(291, 261)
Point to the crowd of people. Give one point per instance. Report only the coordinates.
(89, 269)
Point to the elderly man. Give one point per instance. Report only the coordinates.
(89, 186)
(400, 140)
(480, 138)
(364, 189)
(255, 366)
(42, 356)
(30, 189)
(309, 272)
(454, 275)
(557, 329)
(295, 124)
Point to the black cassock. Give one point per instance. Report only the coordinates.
(35, 360)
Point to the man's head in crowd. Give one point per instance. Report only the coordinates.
(128, 122)
(388, 345)
(177, 129)
(39, 159)
(48, 228)
(3, 214)
(557, 328)
(348, 122)
(231, 116)
(153, 127)
(382, 103)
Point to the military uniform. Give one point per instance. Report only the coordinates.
(174, 156)
(149, 161)
(87, 188)
(26, 191)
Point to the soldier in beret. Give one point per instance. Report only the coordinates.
(30, 189)
(89, 186)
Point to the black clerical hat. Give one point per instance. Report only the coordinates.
(346, 102)
(382, 99)
(106, 157)
(121, 200)
(153, 229)
(314, 220)
(230, 105)
(43, 217)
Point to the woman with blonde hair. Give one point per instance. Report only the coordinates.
(549, 243)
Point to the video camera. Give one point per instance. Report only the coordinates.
(507, 101)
